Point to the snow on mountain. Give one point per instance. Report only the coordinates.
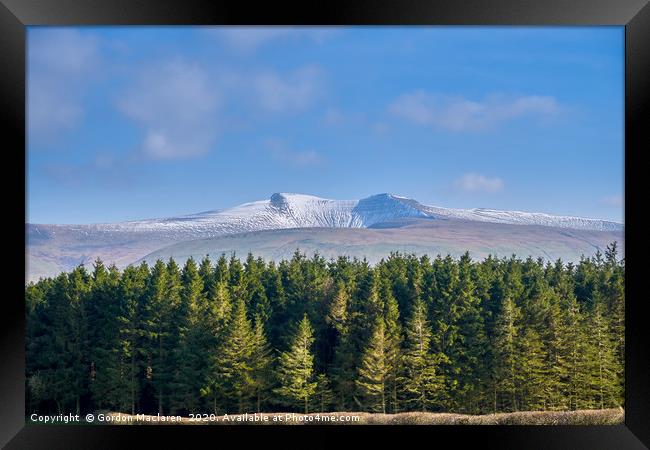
(286, 210)
(394, 222)
(524, 218)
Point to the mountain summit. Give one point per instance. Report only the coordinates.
(289, 210)
(373, 226)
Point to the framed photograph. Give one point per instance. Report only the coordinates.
(389, 221)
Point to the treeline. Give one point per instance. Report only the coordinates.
(408, 334)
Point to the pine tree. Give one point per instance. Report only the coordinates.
(262, 360)
(507, 335)
(506, 356)
(236, 281)
(257, 300)
(575, 380)
(557, 339)
(156, 311)
(234, 360)
(108, 368)
(296, 369)
(323, 394)
(343, 370)
(446, 312)
(218, 308)
(467, 352)
(531, 373)
(613, 291)
(222, 271)
(277, 299)
(65, 370)
(207, 276)
(338, 309)
(373, 371)
(188, 354)
(35, 337)
(393, 350)
(215, 316)
(420, 381)
(132, 289)
(602, 384)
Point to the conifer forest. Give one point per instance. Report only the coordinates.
(229, 335)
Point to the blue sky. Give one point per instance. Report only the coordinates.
(127, 123)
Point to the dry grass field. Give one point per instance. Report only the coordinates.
(582, 417)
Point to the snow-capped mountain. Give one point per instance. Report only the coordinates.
(382, 223)
(284, 210)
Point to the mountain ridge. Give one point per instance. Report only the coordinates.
(406, 223)
(294, 210)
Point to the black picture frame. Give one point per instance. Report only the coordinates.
(634, 15)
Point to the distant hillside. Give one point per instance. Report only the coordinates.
(426, 236)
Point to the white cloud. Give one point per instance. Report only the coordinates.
(299, 158)
(249, 39)
(60, 63)
(176, 106)
(616, 201)
(460, 114)
(474, 182)
(287, 93)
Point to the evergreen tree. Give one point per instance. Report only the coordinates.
(373, 371)
(65, 370)
(393, 350)
(446, 313)
(602, 384)
(406, 334)
(556, 339)
(323, 394)
(132, 289)
(531, 373)
(156, 323)
(467, 353)
(575, 381)
(421, 384)
(215, 315)
(108, 368)
(296, 367)
(613, 289)
(207, 276)
(258, 301)
(507, 357)
(234, 360)
(277, 299)
(338, 309)
(262, 360)
(189, 353)
(222, 271)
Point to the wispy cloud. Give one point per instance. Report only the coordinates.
(298, 158)
(249, 39)
(616, 201)
(176, 106)
(456, 113)
(289, 92)
(59, 64)
(475, 182)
